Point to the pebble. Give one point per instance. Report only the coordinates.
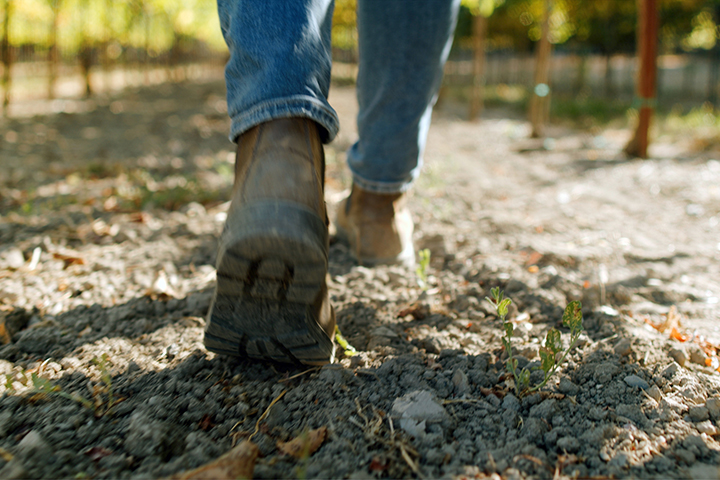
(655, 393)
(510, 402)
(713, 406)
(699, 414)
(703, 471)
(568, 444)
(460, 380)
(15, 258)
(679, 355)
(707, 427)
(697, 355)
(567, 387)
(33, 442)
(623, 347)
(419, 405)
(635, 381)
(671, 370)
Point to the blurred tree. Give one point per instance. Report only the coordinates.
(5, 52)
(480, 10)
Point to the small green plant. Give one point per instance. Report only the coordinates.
(549, 353)
(44, 388)
(348, 349)
(422, 268)
(106, 378)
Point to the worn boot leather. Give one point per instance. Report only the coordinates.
(378, 227)
(271, 300)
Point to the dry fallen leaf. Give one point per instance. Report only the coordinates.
(305, 444)
(237, 463)
(68, 259)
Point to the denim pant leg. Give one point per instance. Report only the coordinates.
(279, 62)
(403, 48)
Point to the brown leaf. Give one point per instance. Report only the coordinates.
(68, 259)
(674, 334)
(417, 310)
(305, 444)
(237, 463)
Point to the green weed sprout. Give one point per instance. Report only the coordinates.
(348, 349)
(422, 268)
(44, 387)
(549, 353)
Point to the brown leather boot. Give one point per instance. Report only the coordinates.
(378, 227)
(271, 300)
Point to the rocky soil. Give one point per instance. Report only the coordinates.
(110, 210)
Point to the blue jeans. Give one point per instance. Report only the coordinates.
(280, 67)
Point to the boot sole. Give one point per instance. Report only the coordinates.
(271, 272)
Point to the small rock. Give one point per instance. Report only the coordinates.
(460, 380)
(635, 381)
(413, 427)
(655, 393)
(567, 387)
(32, 443)
(699, 414)
(679, 355)
(15, 258)
(703, 471)
(545, 410)
(430, 345)
(384, 332)
(706, 427)
(671, 370)
(620, 460)
(713, 406)
(568, 444)
(685, 456)
(510, 402)
(623, 347)
(696, 353)
(419, 405)
(70, 363)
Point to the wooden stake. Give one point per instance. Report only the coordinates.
(478, 87)
(53, 50)
(540, 101)
(648, 24)
(6, 55)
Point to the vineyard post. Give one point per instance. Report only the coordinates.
(6, 55)
(647, 37)
(53, 49)
(478, 86)
(540, 100)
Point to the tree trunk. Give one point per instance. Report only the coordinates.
(581, 78)
(648, 21)
(53, 50)
(478, 86)
(714, 66)
(6, 55)
(540, 101)
(609, 90)
(85, 49)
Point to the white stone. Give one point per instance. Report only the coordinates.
(420, 405)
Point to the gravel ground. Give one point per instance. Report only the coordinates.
(110, 213)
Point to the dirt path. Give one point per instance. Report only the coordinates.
(106, 272)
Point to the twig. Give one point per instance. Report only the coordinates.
(462, 400)
(265, 413)
(298, 374)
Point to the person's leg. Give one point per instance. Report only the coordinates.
(279, 63)
(403, 48)
(271, 300)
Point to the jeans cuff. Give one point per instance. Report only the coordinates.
(382, 187)
(296, 106)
